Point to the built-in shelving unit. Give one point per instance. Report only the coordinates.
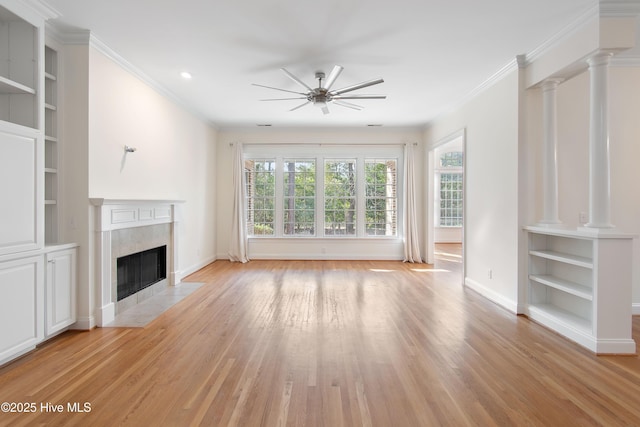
(577, 285)
(51, 142)
(21, 179)
(18, 70)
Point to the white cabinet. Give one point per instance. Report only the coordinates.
(60, 290)
(21, 228)
(579, 284)
(28, 112)
(37, 297)
(21, 305)
(21, 121)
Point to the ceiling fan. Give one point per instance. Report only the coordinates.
(323, 95)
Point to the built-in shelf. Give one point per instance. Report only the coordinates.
(579, 284)
(20, 76)
(52, 149)
(567, 286)
(562, 316)
(9, 86)
(580, 261)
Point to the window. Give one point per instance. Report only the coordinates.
(451, 159)
(380, 197)
(318, 192)
(449, 175)
(451, 199)
(299, 197)
(340, 197)
(260, 193)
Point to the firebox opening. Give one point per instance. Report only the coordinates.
(140, 270)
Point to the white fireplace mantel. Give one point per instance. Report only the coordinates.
(118, 214)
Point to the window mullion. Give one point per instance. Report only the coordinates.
(279, 202)
(360, 198)
(320, 226)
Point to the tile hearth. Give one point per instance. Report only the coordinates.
(145, 312)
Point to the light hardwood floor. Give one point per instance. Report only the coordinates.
(333, 343)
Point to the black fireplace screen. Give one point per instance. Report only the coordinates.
(140, 270)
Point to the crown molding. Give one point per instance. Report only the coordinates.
(512, 65)
(86, 37)
(103, 48)
(42, 8)
(625, 61)
(563, 34)
(603, 8)
(619, 8)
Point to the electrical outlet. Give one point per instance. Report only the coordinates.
(583, 218)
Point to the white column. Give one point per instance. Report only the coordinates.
(599, 174)
(549, 149)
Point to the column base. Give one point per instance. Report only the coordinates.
(550, 224)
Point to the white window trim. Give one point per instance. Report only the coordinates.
(282, 152)
(438, 171)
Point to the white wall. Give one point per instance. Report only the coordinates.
(105, 108)
(491, 193)
(296, 248)
(74, 208)
(174, 157)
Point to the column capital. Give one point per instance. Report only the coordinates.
(599, 58)
(551, 83)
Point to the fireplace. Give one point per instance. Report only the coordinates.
(140, 270)
(126, 227)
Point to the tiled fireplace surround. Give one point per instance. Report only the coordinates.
(124, 227)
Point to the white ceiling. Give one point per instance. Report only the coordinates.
(431, 54)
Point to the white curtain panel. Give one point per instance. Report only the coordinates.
(411, 242)
(238, 242)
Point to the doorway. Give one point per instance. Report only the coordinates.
(446, 210)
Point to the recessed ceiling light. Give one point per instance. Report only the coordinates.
(185, 75)
(375, 125)
(266, 125)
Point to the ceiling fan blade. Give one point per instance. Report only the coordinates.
(276, 88)
(283, 99)
(333, 76)
(348, 105)
(360, 97)
(297, 80)
(325, 109)
(356, 87)
(300, 106)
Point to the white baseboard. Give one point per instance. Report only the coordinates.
(635, 309)
(192, 269)
(84, 323)
(492, 295)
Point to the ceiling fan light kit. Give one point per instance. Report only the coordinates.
(323, 95)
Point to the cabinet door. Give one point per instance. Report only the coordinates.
(61, 290)
(21, 306)
(21, 183)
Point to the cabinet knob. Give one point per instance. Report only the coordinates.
(52, 261)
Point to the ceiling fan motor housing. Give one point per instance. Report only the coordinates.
(323, 94)
(319, 95)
